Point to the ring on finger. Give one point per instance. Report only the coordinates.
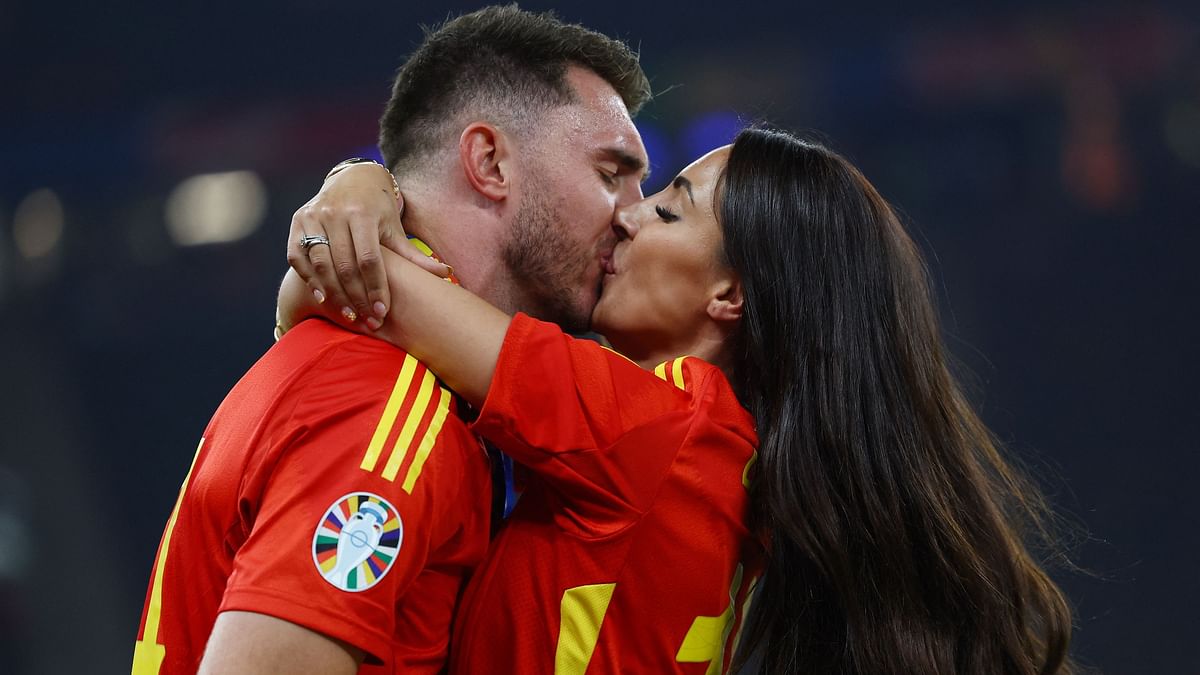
(310, 240)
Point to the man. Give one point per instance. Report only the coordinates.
(337, 502)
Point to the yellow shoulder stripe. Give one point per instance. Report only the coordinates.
(427, 396)
(661, 370)
(399, 393)
(610, 349)
(677, 371)
(435, 427)
(676, 377)
(748, 467)
(400, 449)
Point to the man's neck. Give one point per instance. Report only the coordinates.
(465, 236)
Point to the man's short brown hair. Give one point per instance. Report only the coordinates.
(504, 64)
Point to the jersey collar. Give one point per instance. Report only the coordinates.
(424, 248)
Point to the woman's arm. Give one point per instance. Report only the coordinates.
(448, 328)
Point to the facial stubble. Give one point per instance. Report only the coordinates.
(546, 266)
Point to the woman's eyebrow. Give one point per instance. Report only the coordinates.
(681, 182)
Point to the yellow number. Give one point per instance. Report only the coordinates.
(148, 654)
(580, 615)
(582, 611)
(705, 640)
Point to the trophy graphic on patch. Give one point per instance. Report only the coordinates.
(356, 541)
(360, 536)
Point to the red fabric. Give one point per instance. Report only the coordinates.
(632, 482)
(284, 447)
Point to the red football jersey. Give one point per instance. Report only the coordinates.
(335, 488)
(629, 550)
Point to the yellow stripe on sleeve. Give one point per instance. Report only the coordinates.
(427, 441)
(677, 371)
(661, 371)
(737, 637)
(400, 449)
(399, 393)
(580, 616)
(611, 350)
(746, 470)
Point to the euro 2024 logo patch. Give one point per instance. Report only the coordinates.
(356, 541)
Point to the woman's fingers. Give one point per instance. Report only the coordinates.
(427, 263)
(392, 236)
(332, 270)
(297, 256)
(352, 242)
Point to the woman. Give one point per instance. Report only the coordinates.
(892, 527)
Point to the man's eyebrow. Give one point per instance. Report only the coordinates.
(631, 163)
(681, 182)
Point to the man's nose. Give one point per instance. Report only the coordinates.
(624, 223)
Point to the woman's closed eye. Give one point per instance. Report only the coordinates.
(666, 214)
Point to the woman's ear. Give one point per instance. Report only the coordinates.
(726, 301)
(485, 155)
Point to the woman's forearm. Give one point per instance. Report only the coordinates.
(448, 328)
(452, 331)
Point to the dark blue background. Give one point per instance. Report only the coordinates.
(1047, 157)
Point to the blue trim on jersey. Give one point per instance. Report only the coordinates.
(510, 489)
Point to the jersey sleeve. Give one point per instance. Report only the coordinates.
(342, 515)
(581, 416)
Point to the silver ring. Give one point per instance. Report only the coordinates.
(310, 240)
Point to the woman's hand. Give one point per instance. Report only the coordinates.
(446, 327)
(297, 303)
(357, 211)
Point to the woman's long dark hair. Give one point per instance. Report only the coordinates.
(898, 538)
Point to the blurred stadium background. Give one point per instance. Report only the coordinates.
(151, 154)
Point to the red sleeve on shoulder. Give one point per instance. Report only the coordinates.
(588, 421)
(356, 451)
(553, 393)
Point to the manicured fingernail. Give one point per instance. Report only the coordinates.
(373, 323)
(350, 315)
(449, 270)
(319, 296)
(380, 309)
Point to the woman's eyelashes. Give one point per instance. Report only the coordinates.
(666, 214)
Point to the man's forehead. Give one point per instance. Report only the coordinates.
(621, 140)
(603, 114)
(595, 127)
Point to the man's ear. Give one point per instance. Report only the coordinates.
(726, 301)
(486, 158)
